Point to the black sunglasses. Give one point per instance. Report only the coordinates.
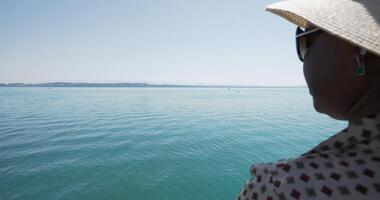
(302, 42)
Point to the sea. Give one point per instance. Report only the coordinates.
(149, 143)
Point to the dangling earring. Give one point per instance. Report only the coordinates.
(360, 69)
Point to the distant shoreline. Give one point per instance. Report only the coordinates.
(133, 85)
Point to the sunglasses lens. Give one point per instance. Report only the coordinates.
(302, 46)
(303, 41)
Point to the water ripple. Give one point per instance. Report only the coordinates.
(118, 143)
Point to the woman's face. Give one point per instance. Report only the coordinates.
(330, 73)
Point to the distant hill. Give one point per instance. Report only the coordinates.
(68, 84)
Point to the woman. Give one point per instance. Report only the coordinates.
(339, 44)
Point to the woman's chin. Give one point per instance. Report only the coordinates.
(316, 105)
(333, 113)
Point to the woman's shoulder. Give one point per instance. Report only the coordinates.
(345, 166)
(331, 174)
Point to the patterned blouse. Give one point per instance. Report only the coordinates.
(345, 166)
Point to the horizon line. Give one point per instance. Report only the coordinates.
(134, 84)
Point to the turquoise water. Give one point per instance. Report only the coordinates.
(148, 143)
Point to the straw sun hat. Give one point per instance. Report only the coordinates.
(355, 21)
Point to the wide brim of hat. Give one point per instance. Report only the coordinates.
(356, 22)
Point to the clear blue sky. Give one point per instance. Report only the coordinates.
(156, 41)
